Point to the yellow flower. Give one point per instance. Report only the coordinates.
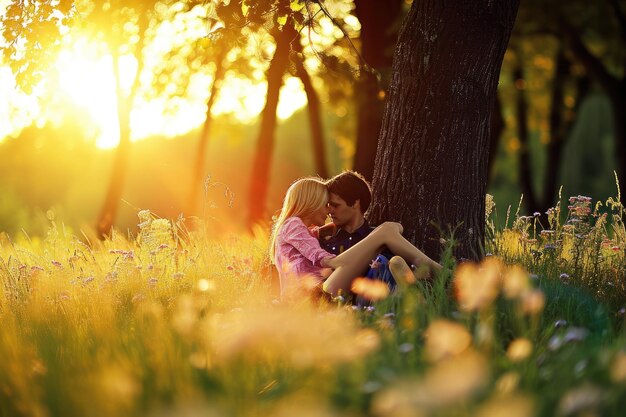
(446, 338)
(519, 349)
(533, 302)
(515, 283)
(371, 289)
(477, 286)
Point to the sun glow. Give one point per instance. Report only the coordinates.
(88, 81)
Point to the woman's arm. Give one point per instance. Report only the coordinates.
(295, 233)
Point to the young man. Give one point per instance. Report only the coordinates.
(350, 197)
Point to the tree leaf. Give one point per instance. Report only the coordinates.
(296, 5)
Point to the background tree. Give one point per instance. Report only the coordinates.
(120, 28)
(592, 36)
(380, 21)
(431, 166)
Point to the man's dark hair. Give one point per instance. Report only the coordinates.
(351, 186)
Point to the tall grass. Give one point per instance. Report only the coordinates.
(179, 322)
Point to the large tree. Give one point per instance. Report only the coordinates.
(431, 165)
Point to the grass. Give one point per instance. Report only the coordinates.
(174, 322)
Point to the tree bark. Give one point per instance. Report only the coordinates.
(196, 183)
(378, 35)
(259, 180)
(315, 117)
(431, 164)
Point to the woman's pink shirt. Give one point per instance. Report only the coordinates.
(297, 254)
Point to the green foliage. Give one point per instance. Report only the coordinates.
(32, 32)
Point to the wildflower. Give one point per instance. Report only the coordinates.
(514, 405)
(152, 281)
(560, 323)
(478, 286)
(577, 400)
(373, 290)
(533, 302)
(575, 334)
(446, 338)
(519, 349)
(536, 214)
(371, 387)
(138, 297)
(87, 280)
(515, 282)
(508, 382)
(406, 347)
(549, 247)
(450, 382)
(580, 366)
(564, 276)
(56, 263)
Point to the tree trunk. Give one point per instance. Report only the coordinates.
(315, 118)
(196, 182)
(431, 164)
(259, 180)
(378, 35)
(120, 162)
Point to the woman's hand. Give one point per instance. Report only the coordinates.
(328, 262)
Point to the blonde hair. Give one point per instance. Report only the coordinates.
(303, 197)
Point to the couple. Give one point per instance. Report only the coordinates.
(297, 252)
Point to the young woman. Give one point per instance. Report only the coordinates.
(296, 252)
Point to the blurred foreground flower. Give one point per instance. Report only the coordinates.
(508, 406)
(446, 384)
(533, 302)
(586, 398)
(477, 286)
(519, 349)
(300, 337)
(371, 289)
(515, 282)
(445, 338)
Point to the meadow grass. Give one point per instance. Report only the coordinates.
(180, 322)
